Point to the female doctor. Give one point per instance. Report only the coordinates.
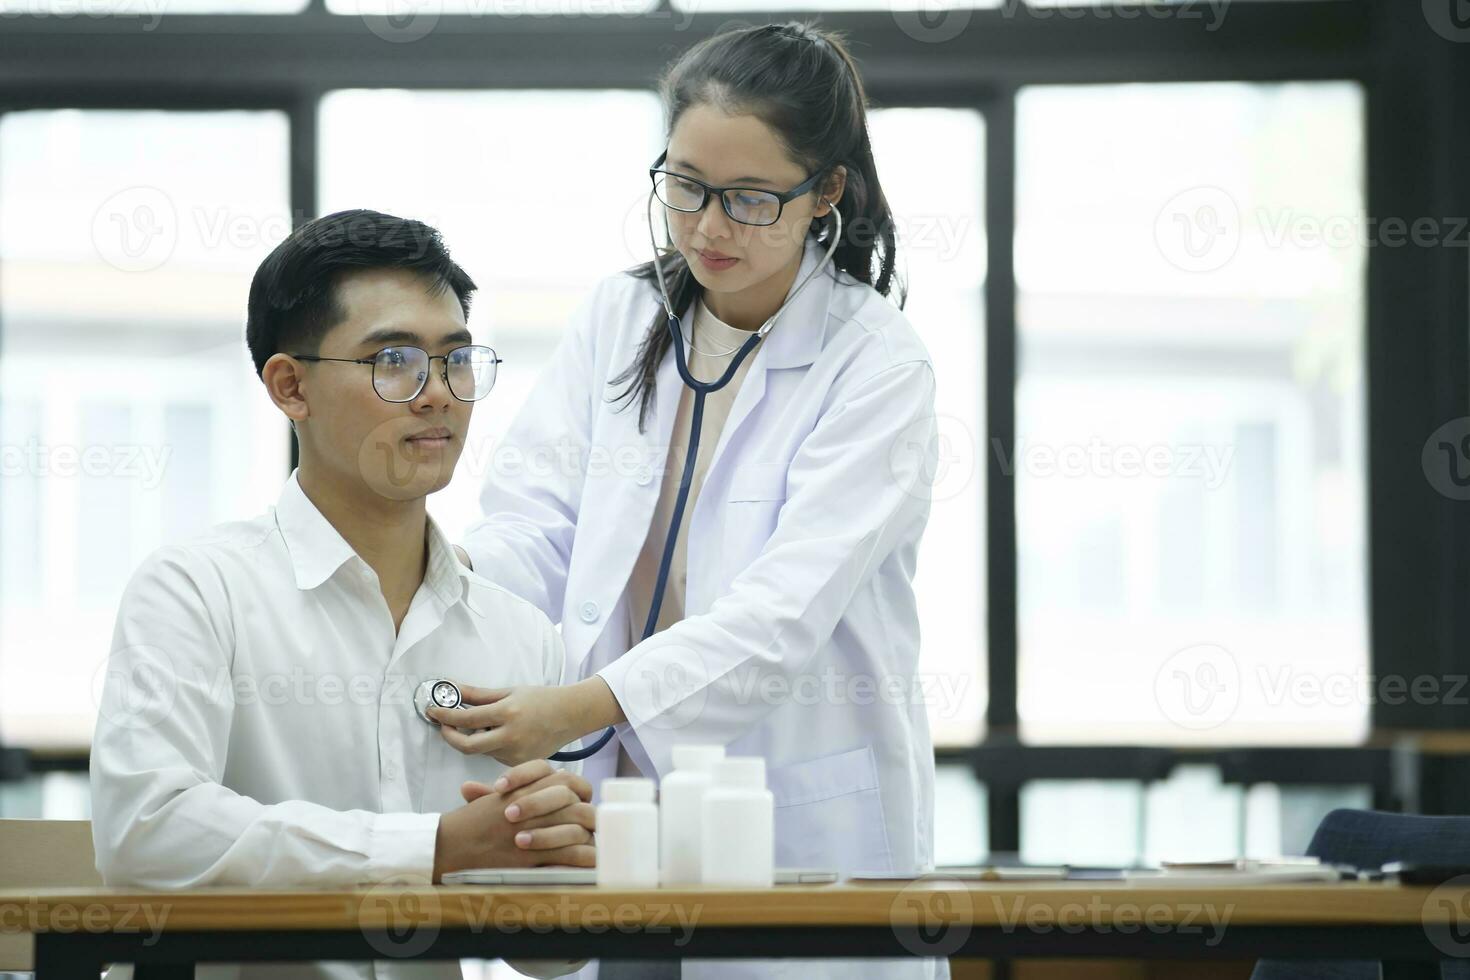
(780, 620)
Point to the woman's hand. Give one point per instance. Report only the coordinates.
(517, 724)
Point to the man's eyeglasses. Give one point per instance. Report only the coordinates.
(747, 205)
(401, 373)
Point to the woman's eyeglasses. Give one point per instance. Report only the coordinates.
(401, 373)
(747, 205)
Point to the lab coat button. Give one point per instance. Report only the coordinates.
(589, 612)
(645, 477)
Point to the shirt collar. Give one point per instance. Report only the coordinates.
(317, 549)
(444, 573)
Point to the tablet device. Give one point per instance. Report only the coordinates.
(1424, 874)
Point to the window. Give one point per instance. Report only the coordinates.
(1190, 448)
(520, 211)
(131, 414)
(410, 20)
(145, 13)
(941, 257)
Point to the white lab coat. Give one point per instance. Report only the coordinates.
(801, 635)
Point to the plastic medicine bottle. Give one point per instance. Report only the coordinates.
(681, 813)
(627, 834)
(739, 825)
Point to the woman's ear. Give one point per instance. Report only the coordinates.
(283, 379)
(832, 191)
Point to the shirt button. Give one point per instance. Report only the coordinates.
(390, 773)
(645, 477)
(589, 612)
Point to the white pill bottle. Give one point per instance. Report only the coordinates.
(627, 834)
(739, 825)
(681, 813)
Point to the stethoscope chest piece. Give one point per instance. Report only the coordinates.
(435, 691)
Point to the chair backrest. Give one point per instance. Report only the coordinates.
(1370, 839)
(42, 854)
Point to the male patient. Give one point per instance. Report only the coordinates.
(257, 725)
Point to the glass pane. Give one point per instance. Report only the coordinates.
(944, 20)
(1287, 816)
(1190, 449)
(47, 796)
(941, 257)
(924, 20)
(145, 12)
(961, 822)
(513, 243)
(410, 20)
(1193, 816)
(1190, 816)
(1081, 821)
(127, 243)
(20, 501)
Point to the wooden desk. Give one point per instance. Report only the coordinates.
(166, 932)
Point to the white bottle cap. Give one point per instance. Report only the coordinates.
(699, 758)
(627, 790)
(741, 771)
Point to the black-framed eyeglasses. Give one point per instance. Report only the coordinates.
(747, 205)
(401, 373)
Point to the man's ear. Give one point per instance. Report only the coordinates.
(285, 383)
(832, 191)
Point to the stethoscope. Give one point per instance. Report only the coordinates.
(446, 693)
(437, 692)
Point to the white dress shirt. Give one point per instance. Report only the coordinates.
(256, 726)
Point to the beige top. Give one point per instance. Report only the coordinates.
(710, 334)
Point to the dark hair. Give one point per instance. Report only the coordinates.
(293, 298)
(803, 83)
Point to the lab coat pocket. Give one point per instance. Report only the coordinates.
(829, 813)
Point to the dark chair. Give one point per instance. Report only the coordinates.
(1369, 839)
